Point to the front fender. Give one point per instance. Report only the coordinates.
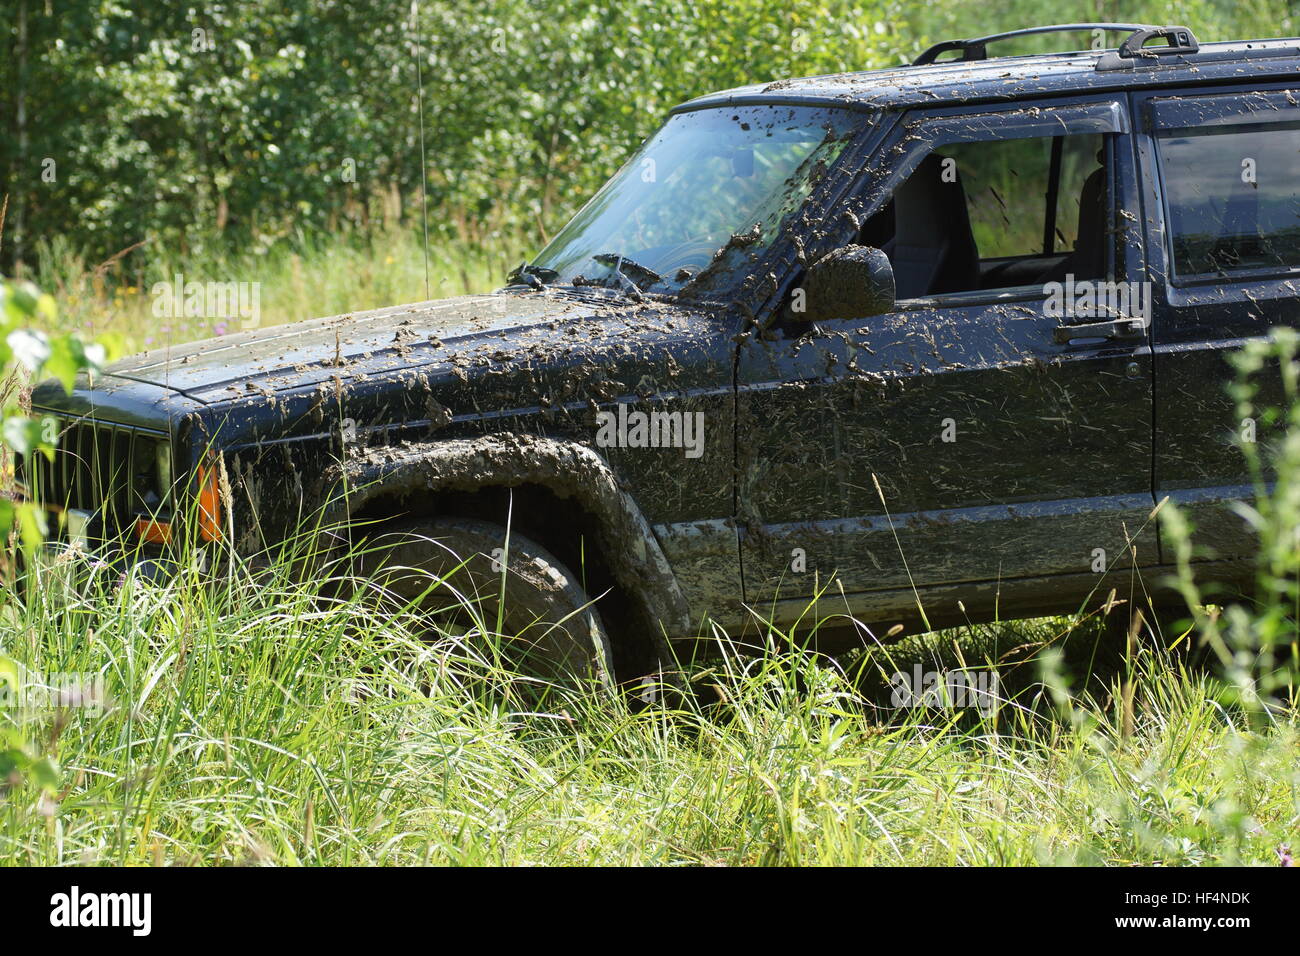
(566, 468)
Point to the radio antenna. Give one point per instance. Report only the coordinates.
(424, 195)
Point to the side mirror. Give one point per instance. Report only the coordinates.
(853, 282)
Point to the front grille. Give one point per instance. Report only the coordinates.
(115, 470)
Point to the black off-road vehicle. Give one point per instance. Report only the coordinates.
(944, 334)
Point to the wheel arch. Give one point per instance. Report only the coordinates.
(547, 481)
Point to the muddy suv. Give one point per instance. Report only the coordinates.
(937, 338)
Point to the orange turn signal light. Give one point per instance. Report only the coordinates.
(209, 503)
(153, 532)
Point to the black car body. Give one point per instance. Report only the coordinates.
(972, 448)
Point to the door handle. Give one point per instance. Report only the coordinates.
(1125, 328)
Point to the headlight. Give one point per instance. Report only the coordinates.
(151, 468)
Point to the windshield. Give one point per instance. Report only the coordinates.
(707, 191)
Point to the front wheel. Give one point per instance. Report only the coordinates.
(514, 603)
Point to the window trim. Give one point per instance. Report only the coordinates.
(926, 132)
(1005, 295)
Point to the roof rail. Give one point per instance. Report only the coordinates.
(1180, 40)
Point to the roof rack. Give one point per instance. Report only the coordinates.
(1180, 40)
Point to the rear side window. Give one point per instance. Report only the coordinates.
(1233, 198)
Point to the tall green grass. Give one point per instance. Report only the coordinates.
(249, 718)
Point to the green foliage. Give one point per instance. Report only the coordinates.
(251, 125)
(27, 351)
(29, 354)
(247, 122)
(21, 763)
(19, 760)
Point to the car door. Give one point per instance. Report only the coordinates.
(961, 437)
(1221, 176)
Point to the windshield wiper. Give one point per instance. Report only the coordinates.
(619, 262)
(535, 277)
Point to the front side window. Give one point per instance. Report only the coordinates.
(997, 214)
(1233, 199)
(1017, 208)
(703, 195)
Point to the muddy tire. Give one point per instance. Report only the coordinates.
(457, 572)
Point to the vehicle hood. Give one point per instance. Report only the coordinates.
(357, 344)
